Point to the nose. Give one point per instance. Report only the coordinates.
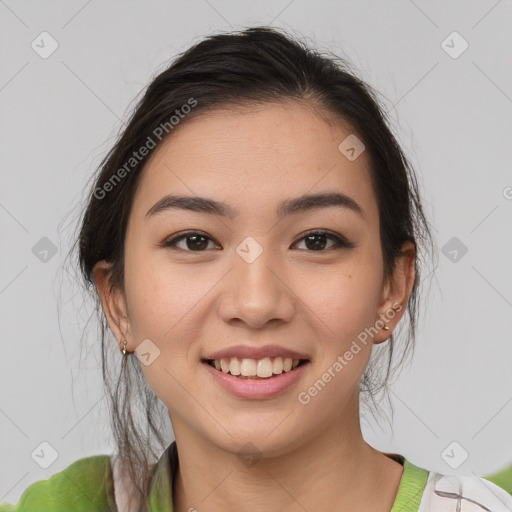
(256, 293)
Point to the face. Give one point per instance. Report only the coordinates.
(255, 279)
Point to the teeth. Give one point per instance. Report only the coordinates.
(248, 367)
(278, 365)
(263, 368)
(234, 366)
(224, 365)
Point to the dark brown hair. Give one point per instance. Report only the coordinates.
(254, 66)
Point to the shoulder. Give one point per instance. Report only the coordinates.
(84, 485)
(467, 493)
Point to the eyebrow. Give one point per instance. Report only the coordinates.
(302, 203)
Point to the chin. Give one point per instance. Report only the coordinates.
(247, 440)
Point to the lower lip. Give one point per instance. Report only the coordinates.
(257, 388)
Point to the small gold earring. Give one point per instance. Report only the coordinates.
(124, 347)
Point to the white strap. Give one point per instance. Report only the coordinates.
(464, 493)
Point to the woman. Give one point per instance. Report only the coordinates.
(255, 233)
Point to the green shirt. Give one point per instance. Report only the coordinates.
(87, 485)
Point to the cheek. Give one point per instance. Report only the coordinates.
(342, 306)
(161, 298)
(345, 298)
(163, 307)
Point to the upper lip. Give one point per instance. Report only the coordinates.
(249, 352)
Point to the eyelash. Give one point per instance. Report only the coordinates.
(340, 243)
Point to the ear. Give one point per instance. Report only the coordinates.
(395, 293)
(113, 302)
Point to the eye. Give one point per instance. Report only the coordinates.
(195, 241)
(316, 241)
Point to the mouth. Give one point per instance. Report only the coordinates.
(255, 369)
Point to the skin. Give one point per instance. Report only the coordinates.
(189, 304)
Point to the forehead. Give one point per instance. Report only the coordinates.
(254, 157)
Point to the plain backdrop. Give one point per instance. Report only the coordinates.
(450, 107)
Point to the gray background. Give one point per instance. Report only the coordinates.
(452, 116)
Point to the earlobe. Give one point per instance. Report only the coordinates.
(112, 302)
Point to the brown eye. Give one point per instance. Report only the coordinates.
(194, 242)
(317, 241)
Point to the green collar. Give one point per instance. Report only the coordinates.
(160, 492)
(410, 488)
(407, 499)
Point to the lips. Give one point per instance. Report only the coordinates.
(256, 372)
(246, 361)
(250, 352)
(257, 387)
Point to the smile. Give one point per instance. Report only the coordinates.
(252, 386)
(263, 368)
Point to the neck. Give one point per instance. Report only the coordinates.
(333, 470)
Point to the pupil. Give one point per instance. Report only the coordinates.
(315, 245)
